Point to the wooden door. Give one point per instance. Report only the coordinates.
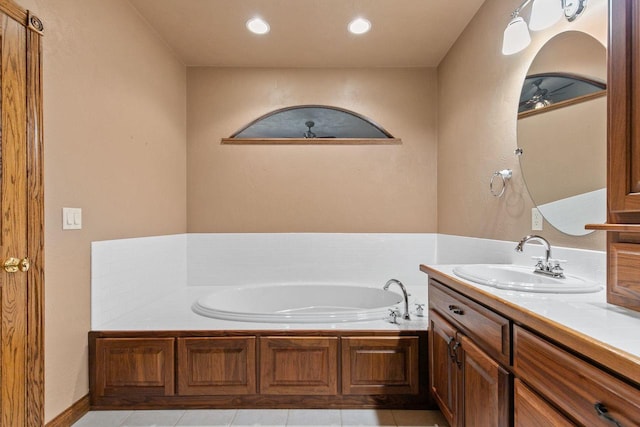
(443, 372)
(485, 387)
(531, 410)
(21, 219)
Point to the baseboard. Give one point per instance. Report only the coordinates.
(71, 414)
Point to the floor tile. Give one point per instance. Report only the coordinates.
(419, 418)
(367, 417)
(314, 417)
(207, 418)
(153, 418)
(260, 417)
(103, 419)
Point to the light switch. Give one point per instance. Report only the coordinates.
(71, 218)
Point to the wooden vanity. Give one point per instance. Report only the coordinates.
(494, 363)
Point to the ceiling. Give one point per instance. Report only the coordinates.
(309, 33)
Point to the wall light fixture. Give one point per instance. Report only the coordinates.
(544, 13)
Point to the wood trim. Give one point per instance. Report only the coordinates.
(608, 358)
(311, 141)
(12, 9)
(621, 228)
(562, 104)
(35, 232)
(71, 414)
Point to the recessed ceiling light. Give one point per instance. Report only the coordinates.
(257, 26)
(359, 26)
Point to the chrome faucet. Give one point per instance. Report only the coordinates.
(547, 266)
(405, 316)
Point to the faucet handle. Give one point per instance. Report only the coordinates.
(393, 315)
(420, 310)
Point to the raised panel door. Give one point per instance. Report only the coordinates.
(299, 365)
(485, 388)
(134, 366)
(380, 365)
(443, 372)
(216, 366)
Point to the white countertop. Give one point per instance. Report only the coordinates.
(587, 314)
(172, 312)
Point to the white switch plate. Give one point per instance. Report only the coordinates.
(71, 218)
(536, 220)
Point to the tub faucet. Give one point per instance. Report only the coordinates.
(547, 266)
(405, 316)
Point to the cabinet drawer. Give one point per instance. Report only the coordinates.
(490, 330)
(380, 365)
(572, 384)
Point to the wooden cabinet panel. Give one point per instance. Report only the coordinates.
(216, 366)
(138, 366)
(490, 330)
(443, 375)
(531, 410)
(485, 388)
(624, 275)
(575, 386)
(299, 365)
(380, 365)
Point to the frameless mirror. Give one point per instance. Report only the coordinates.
(562, 131)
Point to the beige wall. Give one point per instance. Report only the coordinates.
(115, 136)
(389, 188)
(478, 91)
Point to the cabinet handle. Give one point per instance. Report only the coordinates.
(456, 310)
(451, 355)
(603, 412)
(455, 354)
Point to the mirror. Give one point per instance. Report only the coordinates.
(562, 136)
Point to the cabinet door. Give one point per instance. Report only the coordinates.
(624, 113)
(443, 378)
(531, 410)
(134, 366)
(485, 387)
(215, 366)
(380, 365)
(299, 365)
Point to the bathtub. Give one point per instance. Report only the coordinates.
(298, 303)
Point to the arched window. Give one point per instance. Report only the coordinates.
(312, 124)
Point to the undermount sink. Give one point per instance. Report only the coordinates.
(520, 278)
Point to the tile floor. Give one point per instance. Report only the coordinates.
(262, 417)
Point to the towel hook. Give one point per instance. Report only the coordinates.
(504, 175)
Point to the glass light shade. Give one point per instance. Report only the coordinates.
(516, 36)
(359, 26)
(258, 26)
(545, 13)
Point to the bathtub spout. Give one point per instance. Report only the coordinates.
(405, 316)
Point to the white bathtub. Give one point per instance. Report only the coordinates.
(298, 303)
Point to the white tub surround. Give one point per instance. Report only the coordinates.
(129, 274)
(135, 280)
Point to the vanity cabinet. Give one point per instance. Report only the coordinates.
(582, 391)
(623, 168)
(468, 344)
(551, 376)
